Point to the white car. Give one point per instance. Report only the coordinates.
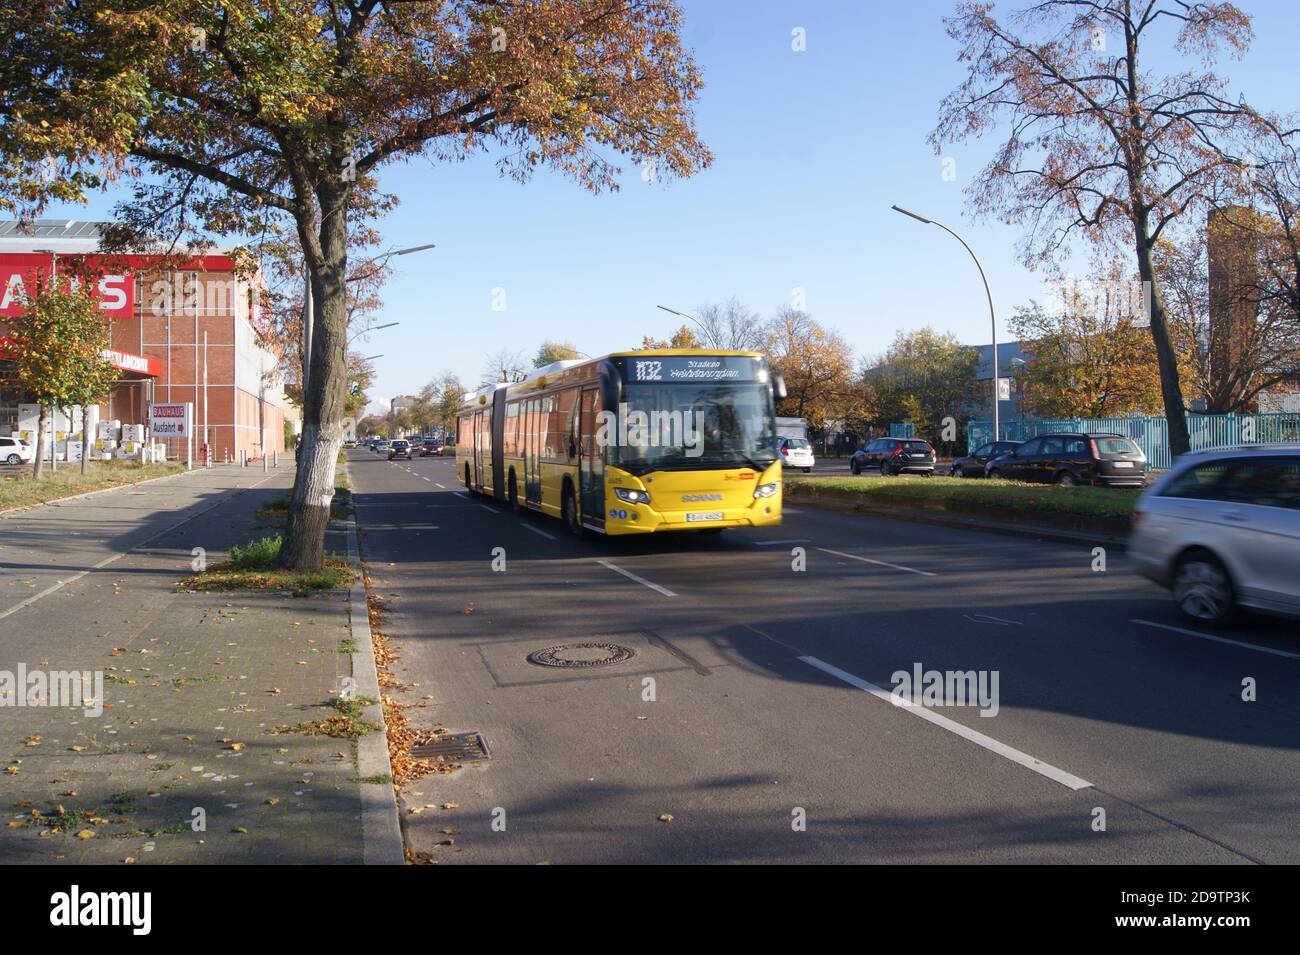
(1221, 530)
(15, 451)
(797, 453)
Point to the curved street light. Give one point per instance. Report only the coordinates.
(674, 311)
(993, 321)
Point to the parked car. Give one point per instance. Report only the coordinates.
(15, 451)
(1221, 530)
(797, 453)
(399, 449)
(894, 456)
(1086, 458)
(972, 465)
(431, 448)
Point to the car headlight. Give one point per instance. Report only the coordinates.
(767, 490)
(632, 495)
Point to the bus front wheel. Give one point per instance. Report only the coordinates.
(569, 513)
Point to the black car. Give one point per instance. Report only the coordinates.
(1087, 458)
(972, 465)
(894, 456)
(399, 449)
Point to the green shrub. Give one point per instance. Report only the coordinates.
(255, 554)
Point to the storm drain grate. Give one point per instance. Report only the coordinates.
(582, 655)
(454, 748)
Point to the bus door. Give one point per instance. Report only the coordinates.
(591, 466)
(532, 452)
(478, 448)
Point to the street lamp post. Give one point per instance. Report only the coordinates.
(673, 311)
(993, 321)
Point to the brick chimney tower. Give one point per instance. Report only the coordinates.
(1234, 300)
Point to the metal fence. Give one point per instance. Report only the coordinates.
(1151, 434)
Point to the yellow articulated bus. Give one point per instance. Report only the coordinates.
(632, 443)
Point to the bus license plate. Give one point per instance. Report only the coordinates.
(691, 518)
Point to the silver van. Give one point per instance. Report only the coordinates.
(1221, 530)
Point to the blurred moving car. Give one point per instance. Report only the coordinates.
(1221, 530)
(380, 446)
(15, 451)
(431, 448)
(399, 449)
(972, 465)
(894, 456)
(1111, 460)
(797, 453)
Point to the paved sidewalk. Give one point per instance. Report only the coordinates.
(195, 687)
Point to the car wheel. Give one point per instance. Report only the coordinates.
(14, 459)
(854, 467)
(569, 513)
(1066, 479)
(995, 475)
(884, 469)
(1203, 590)
(807, 470)
(956, 472)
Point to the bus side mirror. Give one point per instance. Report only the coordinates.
(778, 387)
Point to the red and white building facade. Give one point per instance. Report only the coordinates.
(180, 334)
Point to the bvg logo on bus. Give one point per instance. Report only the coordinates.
(696, 498)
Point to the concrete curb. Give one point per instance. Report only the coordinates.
(381, 828)
(949, 519)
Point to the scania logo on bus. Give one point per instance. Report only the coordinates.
(696, 498)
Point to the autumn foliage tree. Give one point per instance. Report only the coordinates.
(56, 355)
(1098, 143)
(257, 112)
(817, 365)
(1090, 360)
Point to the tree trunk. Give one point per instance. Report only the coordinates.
(85, 436)
(324, 401)
(38, 465)
(1170, 387)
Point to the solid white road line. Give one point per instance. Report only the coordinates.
(1231, 643)
(793, 540)
(1069, 780)
(882, 563)
(537, 530)
(640, 580)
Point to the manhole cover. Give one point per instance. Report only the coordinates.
(454, 748)
(582, 655)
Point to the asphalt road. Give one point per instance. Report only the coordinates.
(770, 694)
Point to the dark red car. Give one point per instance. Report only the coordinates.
(432, 448)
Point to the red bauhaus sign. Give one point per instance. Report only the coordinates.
(113, 289)
(139, 364)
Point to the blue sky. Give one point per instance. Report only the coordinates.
(811, 150)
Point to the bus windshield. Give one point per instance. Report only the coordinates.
(699, 425)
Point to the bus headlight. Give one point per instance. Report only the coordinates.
(767, 490)
(632, 495)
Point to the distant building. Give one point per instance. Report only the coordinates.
(1011, 362)
(397, 405)
(181, 335)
